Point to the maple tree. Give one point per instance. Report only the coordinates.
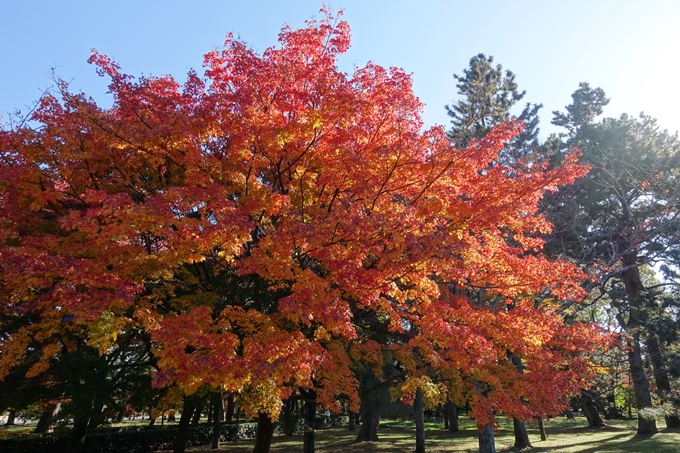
(256, 222)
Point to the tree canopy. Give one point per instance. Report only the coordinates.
(257, 224)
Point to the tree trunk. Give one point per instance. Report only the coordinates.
(352, 419)
(96, 417)
(46, 418)
(541, 428)
(519, 427)
(120, 415)
(310, 415)
(634, 289)
(265, 432)
(420, 423)
(76, 443)
(487, 443)
(198, 411)
(590, 411)
(82, 406)
(190, 406)
(569, 414)
(661, 376)
(452, 414)
(521, 436)
(217, 407)
(11, 417)
(370, 420)
(229, 413)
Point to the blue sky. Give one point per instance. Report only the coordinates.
(629, 48)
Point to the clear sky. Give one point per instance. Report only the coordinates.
(629, 48)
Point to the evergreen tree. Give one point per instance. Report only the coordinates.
(624, 214)
(486, 98)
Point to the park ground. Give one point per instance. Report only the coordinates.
(397, 436)
(563, 436)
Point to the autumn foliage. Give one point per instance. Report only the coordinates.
(262, 222)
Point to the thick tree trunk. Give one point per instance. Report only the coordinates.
(352, 418)
(190, 406)
(265, 433)
(96, 417)
(82, 406)
(634, 289)
(452, 412)
(590, 411)
(663, 384)
(521, 436)
(310, 416)
(46, 418)
(370, 420)
(420, 423)
(487, 444)
(217, 408)
(76, 443)
(11, 417)
(541, 428)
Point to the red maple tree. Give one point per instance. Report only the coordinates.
(251, 219)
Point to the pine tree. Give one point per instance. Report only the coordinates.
(486, 97)
(622, 215)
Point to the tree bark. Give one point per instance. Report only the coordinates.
(310, 416)
(452, 412)
(46, 418)
(370, 420)
(217, 408)
(120, 415)
(487, 444)
(541, 428)
(352, 419)
(82, 406)
(190, 406)
(11, 417)
(198, 411)
(663, 384)
(265, 433)
(521, 436)
(420, 423)
(96, 417)
(76, 443)
(229, 413)
(634, 290)
(590, 411)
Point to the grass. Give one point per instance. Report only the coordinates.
(564, 436)
(397, 436)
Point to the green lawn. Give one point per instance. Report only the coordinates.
(563, 436)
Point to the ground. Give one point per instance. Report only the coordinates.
(563, 436)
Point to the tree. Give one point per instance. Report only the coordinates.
(487, 96)
(252, 221)
(621, 216)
